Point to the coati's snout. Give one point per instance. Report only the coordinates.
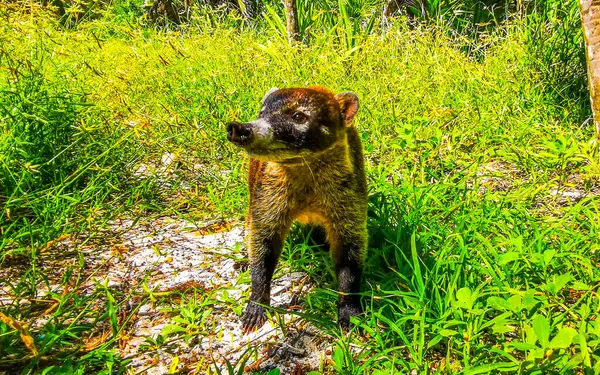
(256, 137)
(239, 134)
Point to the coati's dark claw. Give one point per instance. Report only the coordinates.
(344, 314)
(254, 317)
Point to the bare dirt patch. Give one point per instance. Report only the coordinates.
(159, 266)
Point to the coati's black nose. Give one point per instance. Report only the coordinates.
(240, 134)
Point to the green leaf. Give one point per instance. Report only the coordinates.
(548, 255)
(583, 346)
(574, 362)
(529, 300)
(501, 328)
(561, 281)
(557, 283)
(448, 332)
(516, 303)
(338, 358)
(487, 368)
(508, 257)
(522, 345)
(498, 303)
(434, 341)
(464, 298)
(584, 312)
(563, 339)
(112, 312)
(169, 329)
(594, 327)
(416, 264)
(541, 327)
(578, 285)
(537, 353)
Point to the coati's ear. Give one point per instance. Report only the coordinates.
(348, 105)
(269, 93)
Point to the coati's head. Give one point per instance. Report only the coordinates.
(295, 122)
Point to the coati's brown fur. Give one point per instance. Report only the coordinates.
(306, 165)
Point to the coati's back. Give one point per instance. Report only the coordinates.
(306, 165)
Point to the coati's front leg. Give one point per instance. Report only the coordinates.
(264, 249)
(348, 251)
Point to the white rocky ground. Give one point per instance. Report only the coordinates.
(174, 255)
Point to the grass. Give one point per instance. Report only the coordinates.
(479, 260)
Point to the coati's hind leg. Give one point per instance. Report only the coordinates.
(264, 249)
(348, 250)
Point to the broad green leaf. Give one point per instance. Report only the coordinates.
(487, 368)
(548, 255)
(522, 345)
(529, 300)
(563, 339)
(464, 298)
(501, 328)
(338, 357)
(584, 312)
(516, 303)
(508, 257)
(448, 332)
(537, 353)
(498, 303)
(557, 283)
(434, 341)
(594, 327)
(574, 362)
(583, 346)
(530, 336)
(500, 320)
(541, 327)
(578, 285)
(561, 281)
(169, 329)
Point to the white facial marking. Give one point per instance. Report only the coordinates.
(301, 127)
(325, 130)
(263, 130)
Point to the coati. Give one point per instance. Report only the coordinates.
(306, 165)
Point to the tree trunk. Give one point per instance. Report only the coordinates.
(291, 17)
(395, 5)
(590, 19)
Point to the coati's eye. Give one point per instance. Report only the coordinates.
(299, 117)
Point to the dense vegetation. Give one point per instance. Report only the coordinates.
(483, 171)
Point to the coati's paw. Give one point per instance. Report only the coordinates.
(344, 314)
(254, 317)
